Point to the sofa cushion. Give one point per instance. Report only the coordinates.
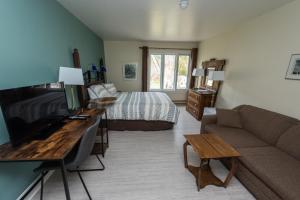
(235, 136)
(265, 124)
(230, 118)
(277, 169)
(289, 141)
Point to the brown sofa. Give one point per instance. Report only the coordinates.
(269, 144)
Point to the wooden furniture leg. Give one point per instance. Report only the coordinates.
(234, 166)
(198, 178)
(102, 138)
(185, 154)
(106, 124)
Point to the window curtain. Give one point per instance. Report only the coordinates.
(194, 58)
(145, 52)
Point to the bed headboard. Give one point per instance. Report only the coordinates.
(83, 95)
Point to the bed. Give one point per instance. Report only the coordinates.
(133, 111)
(147, 111)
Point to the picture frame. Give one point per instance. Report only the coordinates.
(293, 71)
(130, 71)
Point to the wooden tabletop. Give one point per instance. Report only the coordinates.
(211, 146)
(55, 147)
(105, 101)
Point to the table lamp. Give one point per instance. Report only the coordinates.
(71, 76)
(216, 75)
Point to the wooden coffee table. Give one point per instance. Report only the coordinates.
(209, 146)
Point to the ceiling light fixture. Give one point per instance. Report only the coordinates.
(183, 4)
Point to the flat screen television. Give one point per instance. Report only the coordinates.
(33, 112)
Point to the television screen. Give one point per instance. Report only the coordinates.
(33, 112)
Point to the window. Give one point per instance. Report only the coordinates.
(169, 71)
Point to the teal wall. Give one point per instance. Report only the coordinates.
(36, 37)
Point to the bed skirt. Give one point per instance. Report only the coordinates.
(139, 125)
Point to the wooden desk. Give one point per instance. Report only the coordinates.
(209, 146)
(54, 148)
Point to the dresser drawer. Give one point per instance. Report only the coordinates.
(193, 111)
(193, 100)
(193, 103)
(196, 103)
(194, 96)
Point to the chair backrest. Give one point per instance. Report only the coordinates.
(86, 145)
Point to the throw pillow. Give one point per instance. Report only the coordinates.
(100, 91)
(111, 88)
(92, 94)
(230, 118)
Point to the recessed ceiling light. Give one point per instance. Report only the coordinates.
(183, 4)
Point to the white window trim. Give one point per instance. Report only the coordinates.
(169, 52)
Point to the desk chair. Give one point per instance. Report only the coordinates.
(76, 157)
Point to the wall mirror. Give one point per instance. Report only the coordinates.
(209, 83)
(211, 65)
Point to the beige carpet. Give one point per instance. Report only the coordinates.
(146, 166)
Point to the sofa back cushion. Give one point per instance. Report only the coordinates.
(289, 141)
(266, 125)
(229, 118)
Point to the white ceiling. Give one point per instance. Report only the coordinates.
(163, 20)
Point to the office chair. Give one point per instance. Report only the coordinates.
(76, 157)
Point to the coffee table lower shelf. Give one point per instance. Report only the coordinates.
(203, 174)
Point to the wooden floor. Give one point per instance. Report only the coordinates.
(147, 166)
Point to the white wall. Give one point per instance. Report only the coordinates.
(118, 53)
(258, 55)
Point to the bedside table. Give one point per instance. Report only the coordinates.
(197, 100)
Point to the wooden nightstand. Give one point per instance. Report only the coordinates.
(102, 141)
(196, 102)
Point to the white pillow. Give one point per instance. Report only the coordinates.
(111, 88)
(92, 94)
(100, 91)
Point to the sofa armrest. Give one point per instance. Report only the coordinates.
(207, 119)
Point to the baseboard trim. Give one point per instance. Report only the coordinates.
(34, 187)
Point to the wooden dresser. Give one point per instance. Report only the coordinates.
(196, 102)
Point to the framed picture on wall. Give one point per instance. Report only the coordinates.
(293, 71)
(130, 71)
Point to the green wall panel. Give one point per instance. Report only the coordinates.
(36, 37)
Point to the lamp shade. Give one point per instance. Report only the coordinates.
(70, 76)
(198, 72)
(216, 75)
